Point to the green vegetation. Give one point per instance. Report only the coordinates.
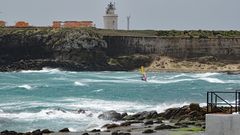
(187, 131)
(199, 34)
(103, 32)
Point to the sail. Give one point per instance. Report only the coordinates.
(142, 71)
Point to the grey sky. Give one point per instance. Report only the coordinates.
(145, 14)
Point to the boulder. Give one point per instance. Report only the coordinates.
(6, 132)
(96, 130)
(37, 132)
(148, 131)
(194, 107)
(145, 115)
(64, 130)
(149, 122)
(81, 111)
(129, 117)
(46, 131)
(110, 115)
(109, 126)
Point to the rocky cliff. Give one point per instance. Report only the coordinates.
(178, 47)
(86, 49)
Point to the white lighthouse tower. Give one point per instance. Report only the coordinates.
(110, 19)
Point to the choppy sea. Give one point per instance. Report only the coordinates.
(50, 98)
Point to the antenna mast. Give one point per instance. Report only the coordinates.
(128, 22)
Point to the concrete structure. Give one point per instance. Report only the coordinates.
(2, 23)
(110, 19)
(222, 124)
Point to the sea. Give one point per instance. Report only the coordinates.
(51, 98)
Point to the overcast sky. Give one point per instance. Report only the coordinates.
(145, 14)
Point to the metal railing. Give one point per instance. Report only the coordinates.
(217, 104)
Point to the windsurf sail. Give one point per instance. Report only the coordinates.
(142, 71)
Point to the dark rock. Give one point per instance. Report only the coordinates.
(163, 126)
(110, 115)
(6, 132)
(127, 123)
(81, 111)
(149, 122)
(129, 117)
(148, 131)
(28, 133)
(64, 130)
(37, 132)
(159, 120)
(146, 115)
(85, 134)
(46, 131)
(194, 107)
(124, 114)
(109, 126)
(122, 133)
(115, 133)
(96, 130)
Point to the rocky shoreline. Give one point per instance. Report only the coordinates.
(189, 119)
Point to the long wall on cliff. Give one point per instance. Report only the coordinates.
(225, 48)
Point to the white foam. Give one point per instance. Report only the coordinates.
(25, 86)
(212, 80)
(77, 83)
(169, 81)
(203, 75)
(98, 90)
(44, 70)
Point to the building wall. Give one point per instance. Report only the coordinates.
(21, 24)
(2, 23)
(72, 24)
(222, 124)
(56, 24)
(111, 22)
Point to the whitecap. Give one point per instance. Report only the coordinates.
(77, 83)
(98, 90)
(25, 86)
(169, 81)
(44, 70)
(212, 80)
(203, 75)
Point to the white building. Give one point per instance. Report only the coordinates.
(110, 19)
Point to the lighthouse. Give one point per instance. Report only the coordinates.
(110, 19)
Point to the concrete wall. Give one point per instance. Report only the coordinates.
(222, 124)
(227, 48)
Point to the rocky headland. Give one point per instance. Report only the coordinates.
(102, 50)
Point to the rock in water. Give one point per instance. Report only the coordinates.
(110, 115)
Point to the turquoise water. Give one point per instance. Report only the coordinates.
(50, 98)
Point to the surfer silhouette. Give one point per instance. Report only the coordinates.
(144, 75)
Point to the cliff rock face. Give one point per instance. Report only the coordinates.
(223, 48)
(67, 49)
(84, 49)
